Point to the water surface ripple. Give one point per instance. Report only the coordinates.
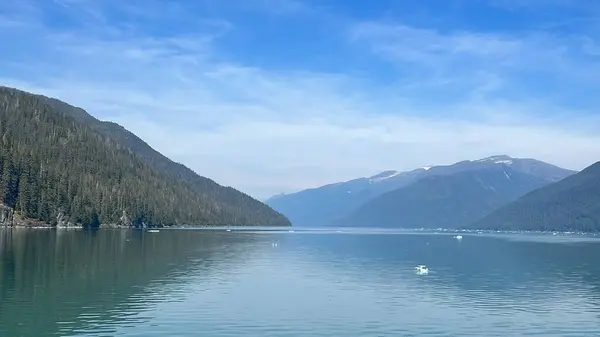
(321, 283)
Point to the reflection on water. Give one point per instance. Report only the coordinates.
(56, 282)
(219, 283)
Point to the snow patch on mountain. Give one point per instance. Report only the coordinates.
(496, 160)
(384, 176)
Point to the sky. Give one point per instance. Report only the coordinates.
(273, 96)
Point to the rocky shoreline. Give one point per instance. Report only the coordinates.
(11, 219)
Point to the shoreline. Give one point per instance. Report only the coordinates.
(373, 230)
(113, 226)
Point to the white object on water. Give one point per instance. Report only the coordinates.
(458, 237)
(275, 244)
(229, 230)
(153, 231)
(422, 269)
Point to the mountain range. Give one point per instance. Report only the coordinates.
(445, 201)
(60, 165)
(437, 196)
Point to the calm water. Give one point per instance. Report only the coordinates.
(218, 283)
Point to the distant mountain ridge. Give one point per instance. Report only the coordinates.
(445, 201)
(572, 204)
(326, 205)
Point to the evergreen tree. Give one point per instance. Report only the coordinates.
(52, 162)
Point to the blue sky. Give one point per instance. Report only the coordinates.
(273, 96)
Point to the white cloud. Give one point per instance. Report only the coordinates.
(424, 45)
(265, 131)
(464, 53)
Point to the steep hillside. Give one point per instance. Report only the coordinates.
(229, 198)
(324, 205)
(445, 201)
(570, 204)
(58, 159)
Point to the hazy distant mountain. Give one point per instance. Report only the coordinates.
(570, 204)
(321, 206)
(328, 204)
(446, 201)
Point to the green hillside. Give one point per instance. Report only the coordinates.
(53, 162)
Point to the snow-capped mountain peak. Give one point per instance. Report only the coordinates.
(501, 159)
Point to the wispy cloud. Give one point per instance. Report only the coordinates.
(425, 45)
(454, 96)
(520, 66)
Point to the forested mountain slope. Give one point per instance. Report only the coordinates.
(56, 159)
(570, 204)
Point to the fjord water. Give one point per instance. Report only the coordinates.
(280, 283)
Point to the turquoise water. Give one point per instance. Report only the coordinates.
(302, 283)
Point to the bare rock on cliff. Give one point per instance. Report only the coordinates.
(125, 221)
(6, 216)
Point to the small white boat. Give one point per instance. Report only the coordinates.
(422, 269)
(458, 237)
(153, 231)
